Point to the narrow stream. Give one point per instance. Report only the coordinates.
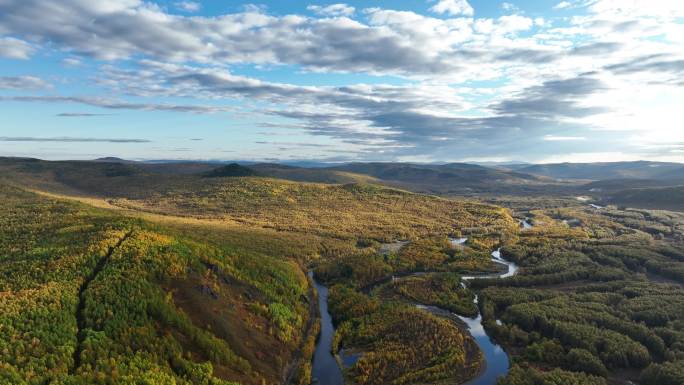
(326, 370)
(496, 360)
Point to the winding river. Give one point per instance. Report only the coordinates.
(496, 360)
(326, 371)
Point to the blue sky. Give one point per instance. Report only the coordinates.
(415, 80)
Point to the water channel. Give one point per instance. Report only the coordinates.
(326, 370)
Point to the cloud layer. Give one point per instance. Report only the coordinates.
(22, 83)
(460, 86)
(116, 104)
(391, 42)
(12, 48)
(453, 7)
(70, 140)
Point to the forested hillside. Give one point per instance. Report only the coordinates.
(599, 292)
(671, 198)
(350, 211)
(114, 298)
(355, 210)
(607, 170)
(90, 297)
(202, 279)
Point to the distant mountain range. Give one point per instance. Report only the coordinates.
(453, 178)
(637, 170)
(639, 184)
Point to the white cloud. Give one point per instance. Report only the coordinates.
(254, 8)
(393, 42)
(556, 85)
(669, 9)
(14, 48)
(453, 7)
(72, 62)
(509, 7)
(514, 23)
(555, 138)
(409, 120)
(589, 157)
(117, 104)
(188, 6)
(23, 83)
(563, 5)
(675, 33)
(67, 139)
(333, 10)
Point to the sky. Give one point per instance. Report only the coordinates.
(411, 81)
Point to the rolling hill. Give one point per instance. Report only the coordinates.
(339, 210)
(662, 198)
(609, 170)
(138, 182)
(452, 179)
(314, 174)
(448, 179)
